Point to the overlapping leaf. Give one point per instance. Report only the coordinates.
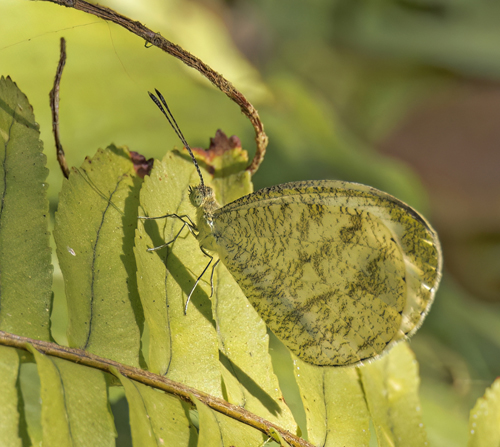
(94, 229)
(74, 403)
(181, 347)
(219, 342)
(484, 423)
(25, 264)
(30, 426)
(9, 414)
(155, 417)
(391, 391)
(218, 430)
(334, 403)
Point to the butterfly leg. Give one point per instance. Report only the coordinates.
(213, 269)
(169, 242)
(198, 280)
(184, 216)
(189, 223)
(212, 278)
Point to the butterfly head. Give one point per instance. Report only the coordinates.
(200, 195)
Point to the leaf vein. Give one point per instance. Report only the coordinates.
(94, 257)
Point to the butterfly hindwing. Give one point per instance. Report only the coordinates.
(327, 266)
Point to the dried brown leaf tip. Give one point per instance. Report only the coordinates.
(141, 165)
(219, 145)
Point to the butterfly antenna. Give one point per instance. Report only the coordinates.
(171, 120)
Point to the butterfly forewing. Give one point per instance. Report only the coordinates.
(332, 267)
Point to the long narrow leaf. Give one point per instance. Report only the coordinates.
(9, 414)
(182, 347)
(75, 409)
(188, 347)
(391, 389)
(243, 341)
(217, 430)
(25, 264)
(30, 427)
(94, 232)
(335, 405)
(484, 423)
(155, 417)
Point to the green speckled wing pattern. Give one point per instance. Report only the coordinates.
(339, 271)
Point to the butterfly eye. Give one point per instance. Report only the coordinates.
(196, 196)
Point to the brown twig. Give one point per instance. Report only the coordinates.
(215, 78)
(54, 106)
(162, 383)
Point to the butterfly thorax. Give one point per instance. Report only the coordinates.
(203, 198)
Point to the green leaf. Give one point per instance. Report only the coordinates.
(25, 269)
(94, 230)
(156, 418)
(217, 429)
(181, 347)
(187, 348)
(74, 403)
(248, 375)
(484, 422)
(335, 405)
(9, 414)
(391, 390)
(276, 436)
(31, 405)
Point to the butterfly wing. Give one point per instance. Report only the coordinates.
(339, 271)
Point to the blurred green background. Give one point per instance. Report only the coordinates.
(401, 95)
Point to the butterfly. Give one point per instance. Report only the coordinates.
(339, 271)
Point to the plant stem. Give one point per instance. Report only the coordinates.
(54, 106)
(192, 61)
(177, 389)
